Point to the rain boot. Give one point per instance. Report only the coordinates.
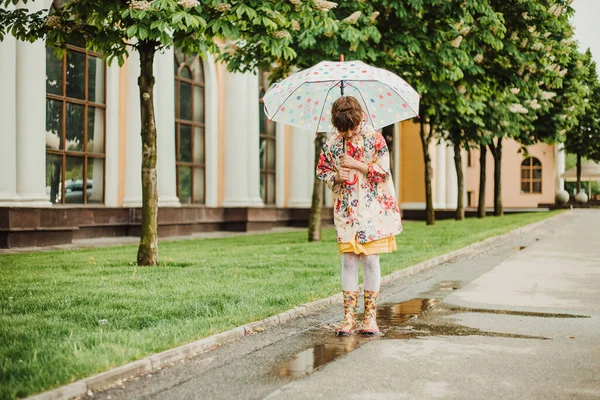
(370, 318)
(348, 325)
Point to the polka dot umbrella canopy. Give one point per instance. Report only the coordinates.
(304, 99)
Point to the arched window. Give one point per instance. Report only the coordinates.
(75, 126)
(531, 175)
(190, 128)
(267, 143)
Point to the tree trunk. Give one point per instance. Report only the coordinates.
(148, 250)
(425, 140)
(496, 150)
(578, 172)
(460, 178)
(314, 218)
(482, 181)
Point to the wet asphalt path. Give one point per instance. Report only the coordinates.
(520, 320)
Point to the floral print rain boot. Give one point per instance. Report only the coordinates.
(348, 325)
(370, 318)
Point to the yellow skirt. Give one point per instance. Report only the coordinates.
(385, 245)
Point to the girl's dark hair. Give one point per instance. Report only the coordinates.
(346, 113)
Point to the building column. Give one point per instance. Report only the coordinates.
(253, 132)
(440, 175)
(164, 98)
(280, 165)
(211, 131)
(8, 127)
(301, 163)
(133, 177)
(30, 119)
(465, 163)
(235, 127)
(111, 193)
(559, 155)
(451, 180)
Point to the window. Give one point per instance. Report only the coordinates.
(531, 175)
(190, 128)
(267, 143)
(75, 126)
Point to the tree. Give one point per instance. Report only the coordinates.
(526, 71)
(583, 139)
(482, 32)
(260, 30)
(434, 44)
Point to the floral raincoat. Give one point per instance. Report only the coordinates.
(366, 211)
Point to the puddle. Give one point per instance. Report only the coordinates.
(412, 319)
(441, 288)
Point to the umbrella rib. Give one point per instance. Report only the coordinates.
(325, 102)
(366, 105)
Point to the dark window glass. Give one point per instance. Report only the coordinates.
(75, 126)
(54, 177)
(185, 185)
(185, 101)
(54, 124)
(54, 73)
(185, 143)
(74, 182)
(95, 79)
(76, 75)
(190, 127)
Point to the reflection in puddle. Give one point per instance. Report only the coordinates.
(305, 362)
(393, 314)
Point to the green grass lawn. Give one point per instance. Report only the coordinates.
(65, 315)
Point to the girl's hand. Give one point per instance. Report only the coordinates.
(342, 175)
(348, 162)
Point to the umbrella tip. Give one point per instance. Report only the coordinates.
(418, 116)
(341, 58)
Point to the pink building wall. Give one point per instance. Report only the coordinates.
(511, 176)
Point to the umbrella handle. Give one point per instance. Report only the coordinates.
(353, 181)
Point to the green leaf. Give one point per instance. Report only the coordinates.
(132, 31)
(142, 32)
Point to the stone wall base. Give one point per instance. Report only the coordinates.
(26, 227)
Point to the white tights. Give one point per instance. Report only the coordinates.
(372, 273)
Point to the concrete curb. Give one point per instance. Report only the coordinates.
(117, 376)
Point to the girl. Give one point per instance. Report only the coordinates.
(366, 214)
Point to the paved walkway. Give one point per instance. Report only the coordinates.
(519, 321)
